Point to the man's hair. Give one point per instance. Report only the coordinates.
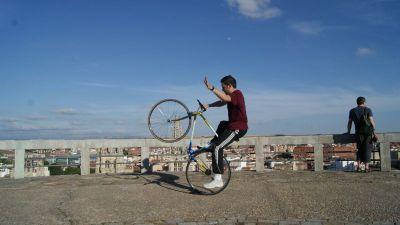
(229, 80)
(360, 100)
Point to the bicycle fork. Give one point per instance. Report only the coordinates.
(203, 167)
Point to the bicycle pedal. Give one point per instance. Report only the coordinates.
(207, 172)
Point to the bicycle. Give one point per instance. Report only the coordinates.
(174, 118)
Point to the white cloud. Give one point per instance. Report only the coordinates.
(96, 84)
(282, 104)
(318, 110)
(280, 107)
(270, 111)
(256, 9)
(9, 120)
(364, 52)
(314, 27)
(28, 127)
(286, 104)
(311, 27)
(36, 118)
(66, 111)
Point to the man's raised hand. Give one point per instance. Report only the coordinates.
(208, 85)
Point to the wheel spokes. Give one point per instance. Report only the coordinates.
(169, 120)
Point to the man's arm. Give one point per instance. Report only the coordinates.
(374, 137)
(349, 125)
(372, 121)
(220, 94)
(215, 104)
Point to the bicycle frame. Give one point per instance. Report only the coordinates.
(191, 152)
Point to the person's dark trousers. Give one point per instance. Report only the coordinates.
(364, 148)
(225, 138)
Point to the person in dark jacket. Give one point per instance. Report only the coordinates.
(364, 141)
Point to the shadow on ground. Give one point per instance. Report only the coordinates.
(164, 180)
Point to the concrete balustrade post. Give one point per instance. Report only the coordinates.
(318, 157)
(19, 163)
(260, 160)
(85, 159)
(385, 157)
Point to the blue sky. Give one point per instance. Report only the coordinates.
(80, 69)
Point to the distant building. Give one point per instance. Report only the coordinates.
(135, 151)
(118, 160)
(7, 154)
(35, 164)
(4, 171)
(37, 172)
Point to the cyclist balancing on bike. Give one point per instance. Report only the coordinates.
(228, 131)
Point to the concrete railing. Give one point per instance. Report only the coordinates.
(258, 141)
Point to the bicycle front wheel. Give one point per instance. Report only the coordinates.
(199, 172)
(169, 120)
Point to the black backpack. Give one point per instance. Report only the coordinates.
(364, 125)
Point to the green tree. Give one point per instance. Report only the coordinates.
(6, 161)
(55, 170)
(72, 170)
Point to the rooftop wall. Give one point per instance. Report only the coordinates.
(19, 146)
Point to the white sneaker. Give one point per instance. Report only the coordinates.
(216, 183)
(206, 147)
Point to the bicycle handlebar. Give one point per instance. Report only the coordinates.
(201, 106)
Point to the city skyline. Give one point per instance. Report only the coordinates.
(74, 69)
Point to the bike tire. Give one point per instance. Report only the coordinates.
(196, 178)
(159, 121)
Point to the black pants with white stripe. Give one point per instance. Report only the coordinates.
(225, 138)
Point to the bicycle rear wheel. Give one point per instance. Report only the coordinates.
(199, 172)
(169, 120)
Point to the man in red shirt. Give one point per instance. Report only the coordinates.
(228, 131)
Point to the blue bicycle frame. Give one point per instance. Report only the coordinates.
(192, 152)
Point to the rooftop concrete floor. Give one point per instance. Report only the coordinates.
(276, 195)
